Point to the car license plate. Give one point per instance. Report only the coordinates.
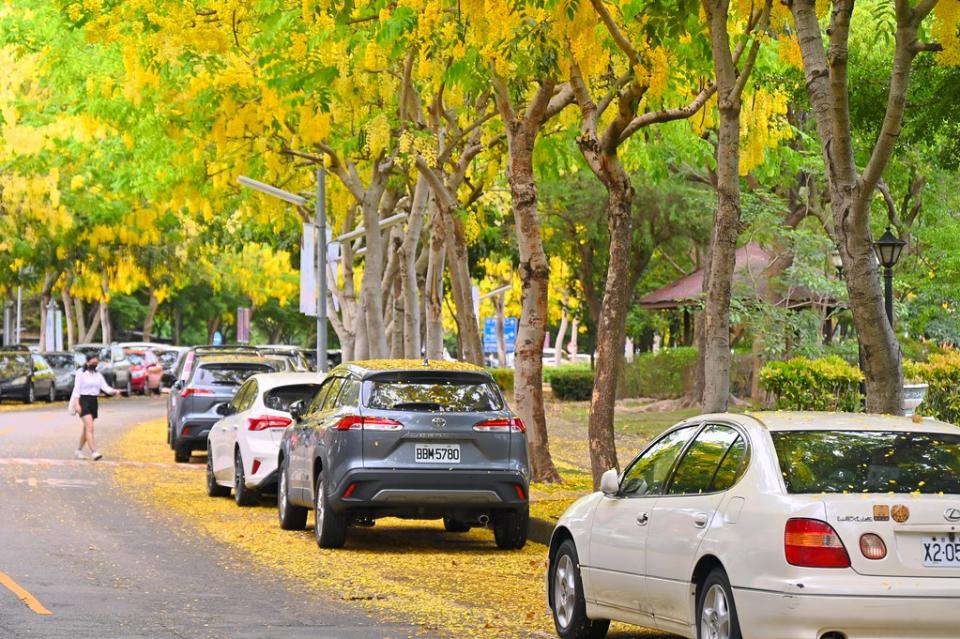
(941, 551)
(437, 453)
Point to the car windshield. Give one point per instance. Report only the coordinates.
(135, 358)
(227, 374)
(282, 398)
(455, 396)
(63, 362)
(869, 462)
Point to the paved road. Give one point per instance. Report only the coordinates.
(106, 568)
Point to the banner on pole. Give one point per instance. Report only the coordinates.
(308, 270)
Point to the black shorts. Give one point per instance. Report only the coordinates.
(88, 406)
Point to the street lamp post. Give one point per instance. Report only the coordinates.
(888, 249)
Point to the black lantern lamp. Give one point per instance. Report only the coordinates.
(837, 262)
(888, 249)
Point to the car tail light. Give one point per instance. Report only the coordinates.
(355, 422)
(187, 392)
(812, 543)
(872, 546)
(501, 425)
(268, 421)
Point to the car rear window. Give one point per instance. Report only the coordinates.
(61, 362)
(452, 396)
(227, 374)
(135, 358)
(14, 365)
(282, 398)
(868, 462)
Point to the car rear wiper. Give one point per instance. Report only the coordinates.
(429, 406)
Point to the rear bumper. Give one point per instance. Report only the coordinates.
(194, 429)
(430, 491)
(906, 615)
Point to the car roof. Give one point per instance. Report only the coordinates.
(268, 381)
(811, 420)
(367, 367)
(233, 358)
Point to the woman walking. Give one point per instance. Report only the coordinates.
(86, 390)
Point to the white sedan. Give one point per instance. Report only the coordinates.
(242, 448)
(770, 526)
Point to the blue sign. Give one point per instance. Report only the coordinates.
(217, 338)
(490, 334)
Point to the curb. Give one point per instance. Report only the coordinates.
(540, 531)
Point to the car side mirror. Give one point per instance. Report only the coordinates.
(297, 409)
(610, 482)
(225, 409)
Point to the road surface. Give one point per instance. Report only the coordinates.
(80, 560)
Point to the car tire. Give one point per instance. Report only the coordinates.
(213, 488)
(329, 527)
(128, 390)
(52, 395)
(31, 395)
(567, 600)
(244, 496)
(510, 528)
(182, 452)
(455, 525)
(716, 611)
(291, 517)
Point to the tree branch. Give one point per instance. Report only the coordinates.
(668, 115)
(615, 32)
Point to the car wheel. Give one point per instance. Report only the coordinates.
(128, 390)
(213, 488)
(716, 612)
(182, 452)
(52, 395)
(243, 495)
(567, 599)
(510, 528)
(329, 527)
(291, 517)
(31, 394)
(455, 525)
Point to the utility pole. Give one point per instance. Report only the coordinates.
(320, 211)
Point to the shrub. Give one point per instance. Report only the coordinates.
(829, 384)
(550, 371)
(942, 374)
(572, 385)
(666, 374)
(504, 378)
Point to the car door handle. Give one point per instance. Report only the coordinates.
(642, 519)
(700, 520)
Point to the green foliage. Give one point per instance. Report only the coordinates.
(942, 375)
(572, 385)
(829, 384)
(665, 374)
(504, 378)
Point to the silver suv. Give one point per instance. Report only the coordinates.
(210, 380)
(404, 438)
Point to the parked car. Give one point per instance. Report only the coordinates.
(192, 405)
(146, 373)
(408, 439)
(770, 525)
(64, 365)
(168, 357)
(25, 375)
(114, 365)
(242, 447)
(295, 354)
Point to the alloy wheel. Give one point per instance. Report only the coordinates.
(318, 509)
(715, 616)
(564, 591)
(282, 489)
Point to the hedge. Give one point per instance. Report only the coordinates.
(827, 384)
(572, 385)
(942, 374)
(504, 378)
(666, 374)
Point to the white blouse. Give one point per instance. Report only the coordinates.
(90, 383)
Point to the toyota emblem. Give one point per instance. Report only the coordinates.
(439, 422)
(952, 515)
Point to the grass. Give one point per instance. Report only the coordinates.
(457, 585)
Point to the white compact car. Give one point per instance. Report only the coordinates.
(242, 448)
(770, 526)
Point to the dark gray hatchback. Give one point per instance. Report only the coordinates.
(403, 438)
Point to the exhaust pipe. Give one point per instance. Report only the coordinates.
(484, 520)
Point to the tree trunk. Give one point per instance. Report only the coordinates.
(399, 320)
(80, 314)
(611, 326)
(370, 288)
(213, 324)
(433, 293)
(408, 270)
(561, 333)
(461, 285)
(151, 314)
(68, 313)
(177, 325)
(572, 347)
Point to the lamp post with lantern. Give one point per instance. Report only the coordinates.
(888, 249)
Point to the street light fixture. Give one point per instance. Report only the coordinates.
(888, 249)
